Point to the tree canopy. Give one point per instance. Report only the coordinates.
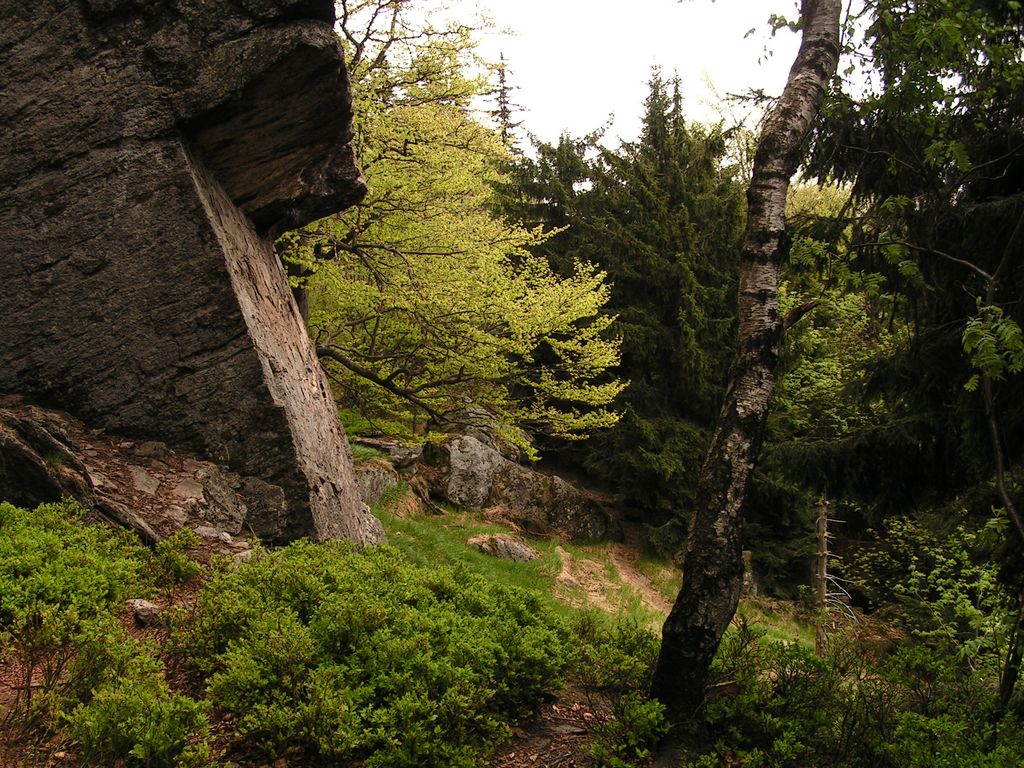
(662, 216)
(427, 306)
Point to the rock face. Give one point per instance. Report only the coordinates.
(375, 478)
(146, 486)
(504, 546)
(468, 472)
(149, 150)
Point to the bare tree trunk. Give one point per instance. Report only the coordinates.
(712, 568)
(1014, 653)
(821, 580)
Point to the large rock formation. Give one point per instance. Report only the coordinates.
(149, 150)
(467, 472)
(46, 455)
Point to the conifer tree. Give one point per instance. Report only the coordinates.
(662, 217)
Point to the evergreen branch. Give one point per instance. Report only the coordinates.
(922, 249)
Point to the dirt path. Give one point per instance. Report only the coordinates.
(601, 589)
(623, 557)
(559, 734)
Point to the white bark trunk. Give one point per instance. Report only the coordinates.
(712, 568)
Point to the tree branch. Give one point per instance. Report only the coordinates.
(941, 254)
(390, 386)
(796, 314)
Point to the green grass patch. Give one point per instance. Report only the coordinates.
(779, 620)
(624, 602)
(440, 541)
(366, 452)
(430, 540)
(663, 574)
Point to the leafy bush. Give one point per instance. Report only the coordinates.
(118, 706)
(359, 655)
(57, 574)
(627, 740)
(167, 564)
(784, 707)
(614, 666)
(137, 721)
(946, 597)
(61, 584)
(49, 558)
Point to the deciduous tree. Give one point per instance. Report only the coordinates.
(425, 305)
(712, 568)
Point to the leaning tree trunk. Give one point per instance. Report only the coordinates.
(712, 568)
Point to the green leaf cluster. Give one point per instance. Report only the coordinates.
(928, 142)
(776, 705)
(994, 345)
(947, 592)
(614, 666)
(361, 656)
(433, 303)
(62, 583)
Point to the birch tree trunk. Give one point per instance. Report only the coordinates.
(712, 567)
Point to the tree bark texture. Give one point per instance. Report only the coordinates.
(712, 566)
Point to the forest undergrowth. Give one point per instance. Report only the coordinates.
(428, 653)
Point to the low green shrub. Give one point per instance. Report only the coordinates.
(168, 563)
(947, 596)
(614, 666)
(49, 557)
(57, 574)
(627, 740)
(784, 708)
(62, 582)
(137, 721)
(361, 656)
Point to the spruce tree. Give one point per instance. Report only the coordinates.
(662, 217)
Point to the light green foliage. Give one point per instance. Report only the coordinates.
(362, 656)
(994, 344)
(57, 575)
(137, 722)
(431, 301)
(828, 353)
(947, 594)
(780, 706)
(168, 565)
(50, 559)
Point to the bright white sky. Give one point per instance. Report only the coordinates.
(577, 62)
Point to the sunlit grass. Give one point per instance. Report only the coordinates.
(366, 452)
(440, 540)
(779, 619)
(663, 575)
